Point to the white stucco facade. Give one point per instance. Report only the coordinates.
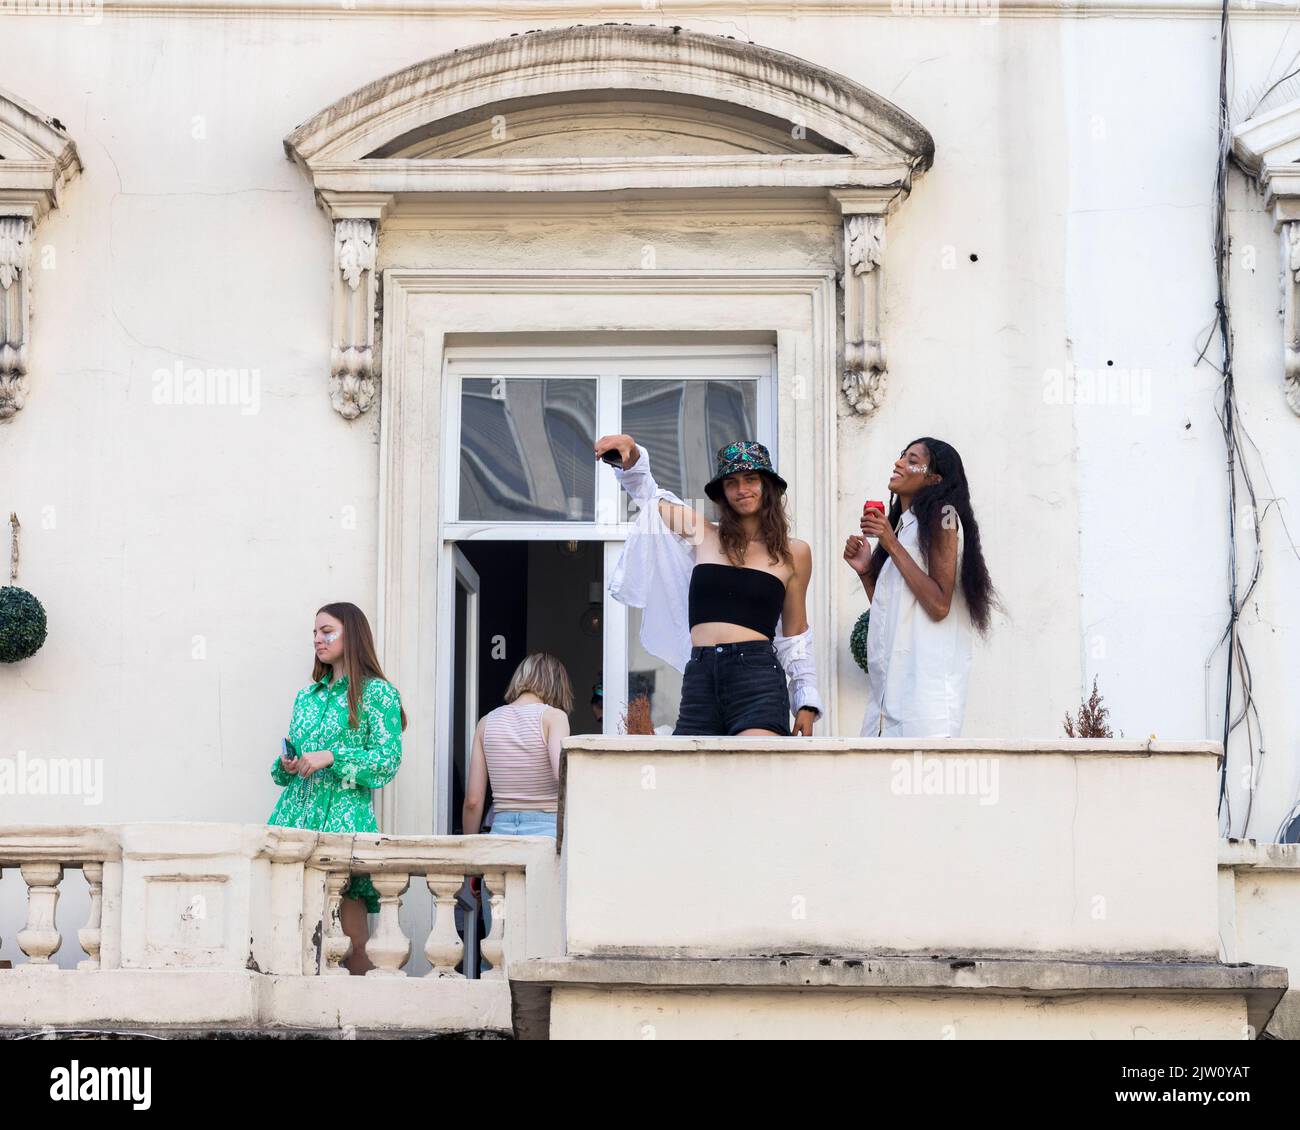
(1062, 230)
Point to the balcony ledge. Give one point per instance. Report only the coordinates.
(532, 982)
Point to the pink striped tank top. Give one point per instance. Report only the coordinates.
(519, 766)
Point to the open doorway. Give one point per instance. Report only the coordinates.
(514, 598)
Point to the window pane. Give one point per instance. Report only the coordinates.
(526, 449)
(649, 675)
(683, 423)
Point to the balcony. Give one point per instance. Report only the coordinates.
(710, 887)
(228, 927)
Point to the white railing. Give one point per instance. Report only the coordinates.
(42, 854)
(259, 907)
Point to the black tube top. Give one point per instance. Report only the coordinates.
(736, 594)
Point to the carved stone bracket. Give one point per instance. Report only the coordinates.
(37, 158)
(865, 376)
(1267, 146)
(354, 358)
(15, 311)
(354, 373)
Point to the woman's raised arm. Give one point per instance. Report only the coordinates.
(685, 521)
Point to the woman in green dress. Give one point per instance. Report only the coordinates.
(346, 730)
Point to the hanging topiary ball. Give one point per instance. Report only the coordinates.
(22, 624)
(858, 640)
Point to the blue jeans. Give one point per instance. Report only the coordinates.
(523, 824)
(518, 824)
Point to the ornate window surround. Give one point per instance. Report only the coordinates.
(38, 160)
(1268, 147)
(416, 566)
(873, 150)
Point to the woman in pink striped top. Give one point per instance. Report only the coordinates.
(517, 747)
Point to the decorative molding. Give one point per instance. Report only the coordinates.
(606, 174)
(865, 377)
(394, 112)
(415, 567)
(15, 311)
(37, 159)
(1268, 148)
(363, 156)
(977, 12)
(354, 375)
(354, 358)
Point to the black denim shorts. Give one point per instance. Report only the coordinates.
(731, 687)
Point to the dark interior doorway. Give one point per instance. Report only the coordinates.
(533, 596)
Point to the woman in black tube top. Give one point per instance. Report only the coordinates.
(748, 573)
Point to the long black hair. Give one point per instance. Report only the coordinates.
(930, 506)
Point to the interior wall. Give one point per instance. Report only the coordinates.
(558, 596)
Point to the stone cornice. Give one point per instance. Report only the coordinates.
(985, 12)
(39, 159)
(604, 174)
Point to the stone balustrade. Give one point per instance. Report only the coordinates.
(711, 886)
(41, 855)
(180, 912)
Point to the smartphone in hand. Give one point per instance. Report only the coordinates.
(288, 750)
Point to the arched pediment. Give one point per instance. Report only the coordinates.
(644, 106)
(607, 108)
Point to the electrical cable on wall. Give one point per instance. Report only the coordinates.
(1236, 438)
(1238, 664)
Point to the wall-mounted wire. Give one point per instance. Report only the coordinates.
(1238, 444)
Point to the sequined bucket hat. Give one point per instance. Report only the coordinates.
(740, 456)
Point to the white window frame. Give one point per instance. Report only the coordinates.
(609, 365)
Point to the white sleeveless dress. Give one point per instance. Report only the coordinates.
(917, 668)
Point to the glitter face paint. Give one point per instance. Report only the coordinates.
(329, 637)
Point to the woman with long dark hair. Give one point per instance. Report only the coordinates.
(346, 739)
(929, 591)
(724, 602)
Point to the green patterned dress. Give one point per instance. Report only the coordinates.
(337, 798)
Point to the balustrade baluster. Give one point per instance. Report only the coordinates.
(89, 934)
(444, 947)
(40, 939)
(337, 944)
(389, 948)
(494, 945)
